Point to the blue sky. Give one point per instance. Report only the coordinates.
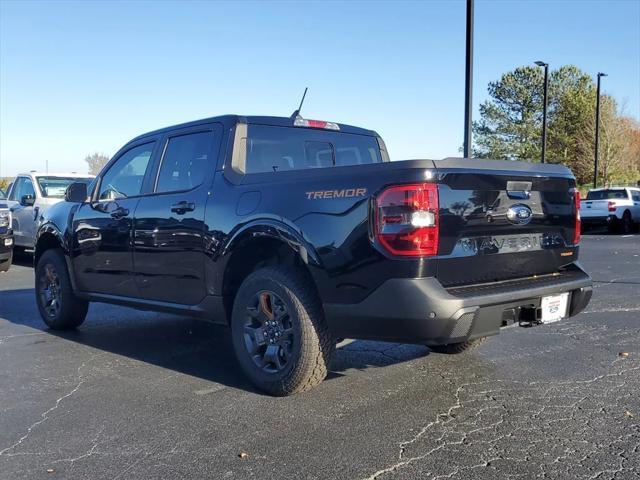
(78, 77)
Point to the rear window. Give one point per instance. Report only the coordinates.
(611, 194)
(276, 149)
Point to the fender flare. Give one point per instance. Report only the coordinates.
(276, 228)
(50, 228)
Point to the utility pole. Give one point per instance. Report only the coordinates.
(544, 108)
(468, 89)
(595, 163)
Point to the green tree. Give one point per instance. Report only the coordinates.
(511, 120)
(619, 151)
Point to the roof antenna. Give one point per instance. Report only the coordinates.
(297, 112)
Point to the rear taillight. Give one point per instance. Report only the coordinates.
(612, 206)
(406, 221)
(576, 208)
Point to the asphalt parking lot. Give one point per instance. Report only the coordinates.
(143, 395)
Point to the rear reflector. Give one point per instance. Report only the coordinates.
(302, 122)
(406, 221)
(576, 208)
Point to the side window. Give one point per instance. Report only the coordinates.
(23, 186)
(17, 186)
(124, 178)
(27, 189)
(186, 162)
(635, 195)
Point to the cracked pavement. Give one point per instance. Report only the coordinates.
(144, 395)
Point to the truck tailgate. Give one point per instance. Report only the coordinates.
(594, 208)
(502, 220)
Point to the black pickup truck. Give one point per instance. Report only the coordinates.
(297, 233)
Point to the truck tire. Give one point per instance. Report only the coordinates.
(626, 225)
(455, 348)
(6, 265)
(279, 334)
(59, 307)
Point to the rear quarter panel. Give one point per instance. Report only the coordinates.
(327, 212)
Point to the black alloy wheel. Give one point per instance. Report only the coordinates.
(268, 332)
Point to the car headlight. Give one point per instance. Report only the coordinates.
(5, 219)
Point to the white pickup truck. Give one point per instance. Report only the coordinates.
(30, 195)
(616, 207)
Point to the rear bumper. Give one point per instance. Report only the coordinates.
(601, 220)
(423, 311)
(6, 246)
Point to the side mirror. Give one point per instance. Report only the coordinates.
(27, 200)
(76, 192)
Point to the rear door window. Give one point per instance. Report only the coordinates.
(276, 149)
(185, 162)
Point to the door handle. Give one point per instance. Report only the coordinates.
(119, 213)
(35, 213)
(182, 207)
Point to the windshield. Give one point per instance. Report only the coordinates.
(54, 187)
(3, 196)
(618, 193)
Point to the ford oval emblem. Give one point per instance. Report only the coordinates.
(519, 214)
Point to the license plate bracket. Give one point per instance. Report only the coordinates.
(554, 308)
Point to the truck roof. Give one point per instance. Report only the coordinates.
(599, 189)
(252, 119)
(56, 174)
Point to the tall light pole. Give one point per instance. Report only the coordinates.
(544, 107)
(595, 163)
(468, 84)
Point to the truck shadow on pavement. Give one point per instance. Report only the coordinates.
(185, 345)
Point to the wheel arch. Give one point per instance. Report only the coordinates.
(261, 243)
(47, 237)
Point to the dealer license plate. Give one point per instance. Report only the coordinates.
(554, 307)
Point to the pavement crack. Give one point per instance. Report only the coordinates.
(45, 416)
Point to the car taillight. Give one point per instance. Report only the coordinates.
(612, 206)
(406, 221)
(576, 207)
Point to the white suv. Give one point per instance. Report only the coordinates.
(616, 207)
(30, 195)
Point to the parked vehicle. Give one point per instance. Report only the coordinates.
(6, 237)
(30, 195)
(296, 233)
(616, 207)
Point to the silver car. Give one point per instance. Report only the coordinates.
(30, 195)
